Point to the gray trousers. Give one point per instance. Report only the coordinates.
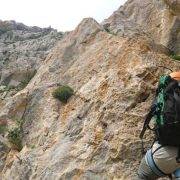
(145, 173)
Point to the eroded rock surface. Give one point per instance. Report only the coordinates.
(23, 49)
(158, 18)
(95, 135)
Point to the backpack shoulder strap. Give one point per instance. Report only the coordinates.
(178, 156)
(146, 125)
(147, 120)
(177, 106)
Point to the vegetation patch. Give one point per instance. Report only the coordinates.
(15, 137)
(110, 32)
(3, 128)
(175, 57)
(6, 88)
(63, 93)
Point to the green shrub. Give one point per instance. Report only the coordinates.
(15, 137)
(19, 122)
(63, 93)
(110, 32)
(3, 129)
(176, 57)
(7, 88)
(16, 133)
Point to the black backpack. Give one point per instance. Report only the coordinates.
(165, 111)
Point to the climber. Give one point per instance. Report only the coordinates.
(162, 159)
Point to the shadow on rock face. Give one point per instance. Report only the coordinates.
(174, 5)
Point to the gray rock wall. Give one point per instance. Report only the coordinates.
(113, 69)
(159, 19)
(23, 49)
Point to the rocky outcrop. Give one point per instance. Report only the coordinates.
(158, 19)
(22, 50)
(174, 6)
(95, 135)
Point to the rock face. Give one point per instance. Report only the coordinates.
(95, 135)
(22, 50)
(159, 19)
(174, 5)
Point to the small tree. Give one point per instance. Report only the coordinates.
(63, 93)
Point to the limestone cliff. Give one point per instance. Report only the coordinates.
(22, 50)
(95, 135)
(159, 19)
